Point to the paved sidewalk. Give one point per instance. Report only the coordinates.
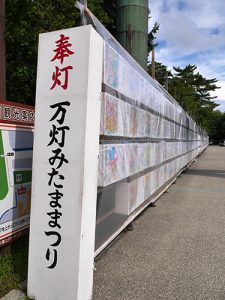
(177, 249)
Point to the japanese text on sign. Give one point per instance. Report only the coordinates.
(16, 114)
(57, 141)
(56, 178)
(60, 76)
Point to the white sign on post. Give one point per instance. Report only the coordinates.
(65, 164)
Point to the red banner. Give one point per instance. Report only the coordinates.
(16, 113)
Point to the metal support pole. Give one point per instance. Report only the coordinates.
(133, 14)
(129, 36)
(82, 5)
(84, 2)
(2, 51)
(153, 63)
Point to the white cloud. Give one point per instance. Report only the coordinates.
(188, 35)
(220, 93)
(207, 14)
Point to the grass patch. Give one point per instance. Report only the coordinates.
(13, 267)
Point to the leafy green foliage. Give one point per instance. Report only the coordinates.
(195, 82)
(31, 19)
(192, 91)
(98, 8)
(152, 37)
(13, 267)
(217, 128)
(25, 20)
(110, 8)
(162, 74)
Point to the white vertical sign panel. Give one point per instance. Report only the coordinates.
(64, 183)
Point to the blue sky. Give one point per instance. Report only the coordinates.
(192, 32)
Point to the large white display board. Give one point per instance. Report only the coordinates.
(16, 145)
(65, 163)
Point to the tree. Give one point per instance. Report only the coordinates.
(217, 128)
(162, 74)
(152, 37)
(110, 9)
(216, 125)
(192, 91)
(25, 20)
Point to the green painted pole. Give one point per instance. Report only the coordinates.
(132, 28)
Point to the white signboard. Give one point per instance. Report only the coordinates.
(65, 163)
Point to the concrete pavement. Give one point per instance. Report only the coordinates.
(177, 249)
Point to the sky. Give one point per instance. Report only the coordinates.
(192, 32)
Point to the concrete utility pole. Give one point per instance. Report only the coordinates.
(2, 51)
(132, 28)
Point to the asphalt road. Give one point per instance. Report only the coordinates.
(177, 249)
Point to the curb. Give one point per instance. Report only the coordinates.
(14, 295)
(17, 294)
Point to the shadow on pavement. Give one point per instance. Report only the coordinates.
(206, 172)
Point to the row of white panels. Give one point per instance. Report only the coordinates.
(131, 195)
(123, 77)
(118, 161)
(119, 118)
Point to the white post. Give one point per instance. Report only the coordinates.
(65, 163)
